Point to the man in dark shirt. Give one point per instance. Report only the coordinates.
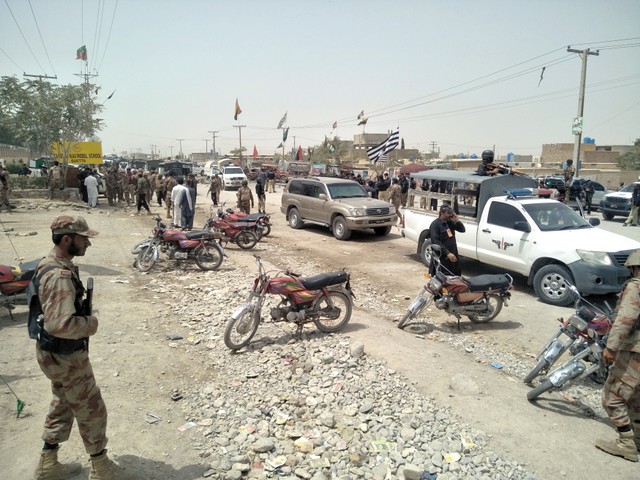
(442, 233)
(404, 188)
(382, 186)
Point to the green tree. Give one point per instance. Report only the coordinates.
(631, 160)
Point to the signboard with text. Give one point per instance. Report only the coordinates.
(81, 153)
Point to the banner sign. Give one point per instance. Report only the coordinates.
(81, 153)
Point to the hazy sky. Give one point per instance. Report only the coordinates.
(461, 73)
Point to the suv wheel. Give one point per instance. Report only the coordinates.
(340, 229)
(294, 218)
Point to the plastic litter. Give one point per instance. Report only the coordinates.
(428, 476)
(496, 365)
(175, 396)
(186, 426)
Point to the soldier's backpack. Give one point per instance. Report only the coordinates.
(34, 324)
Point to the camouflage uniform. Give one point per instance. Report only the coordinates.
(214, 188)
(130, 186)
(168, 187)
(395, 195)
(112, 186)
(568, 179)
(4, 189)
(245, 198)
(55, 179)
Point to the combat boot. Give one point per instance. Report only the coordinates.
(102, 468)
(636, 429)
(50, 469)
(624, 446)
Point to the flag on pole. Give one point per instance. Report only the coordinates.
(285, 134)
(299, 154)
(280, 146)
(81, 53)
(109, 97)
(363, 121)
(255, 152)
(335, 125)
(391, 143)
(282, 120)
(237, 111)
(360, 115)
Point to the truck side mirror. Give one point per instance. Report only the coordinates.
(522, 226)
(594, 221)
(322, 196)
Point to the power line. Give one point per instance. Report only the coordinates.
(23, 37)
(104, 53)
(11, 60)
(41, 39)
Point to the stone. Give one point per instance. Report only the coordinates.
(412, 472)
(357, 350)
(263, 445)
(464, 385)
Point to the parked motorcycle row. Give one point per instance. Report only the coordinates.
(583, 335)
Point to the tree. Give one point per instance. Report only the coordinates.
(631, 160)
(36, 114)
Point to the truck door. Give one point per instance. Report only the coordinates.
(311, 207)
(498, 243)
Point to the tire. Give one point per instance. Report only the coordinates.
(551, 284)
(246, 240)
(539, 390)
(535, 371)
(607, 215)
(336, 320)
(340, 229)
(209, 257)
(245, 326)
(494, 310)
(146, 258)
(425, 254)
(382, 231)
(266, 230)
(295, 221)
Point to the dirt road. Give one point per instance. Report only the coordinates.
(137, 369)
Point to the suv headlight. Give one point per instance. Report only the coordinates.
(600, 258)
(392, 209)
(358, 212)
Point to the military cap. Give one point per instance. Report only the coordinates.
(68, 224)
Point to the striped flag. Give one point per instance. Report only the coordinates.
(282, 120)
(237, 110)
(391, 143)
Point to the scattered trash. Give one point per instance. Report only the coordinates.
(118, 280)
(467, 442)
(568, 398)
(382, 446)
(496, 365)
(19, 403)
(151, 418)
(175, 396)
(252, 375)
(205, 422)
(428, 476)
(186, 426)
(274, 463)
(174, 336)
(452, 457)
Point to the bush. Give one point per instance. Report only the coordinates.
(26, 183)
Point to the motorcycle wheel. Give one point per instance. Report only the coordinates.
(246, 240)
(332, 319)
(535, 371)
(146, 259)
(241, 330)
(209, 257)
(495, 306)
(266, 230)
(539, 390)
(411, 314)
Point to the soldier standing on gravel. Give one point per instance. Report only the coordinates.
(112, 185)
(621, 394)
(4, 189)
(54, 179)
(245, 198)
(63, 356)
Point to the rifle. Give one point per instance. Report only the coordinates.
(87, 303)
(504, 170)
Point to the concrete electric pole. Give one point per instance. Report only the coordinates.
(577, 122)
(180, 140)
(239, 127)
(206, 147)
(213, 134)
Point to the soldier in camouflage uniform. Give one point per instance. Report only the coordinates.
(245, 198)
(62, 353)
(54, 179)
(112, 185)
(621, 395)
(170, 182)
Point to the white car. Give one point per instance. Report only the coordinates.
(232, 177)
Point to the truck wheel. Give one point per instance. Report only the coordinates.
(551, 284)
(294, 219)
(382, 231)
(425, 253)
(607, 216)
(340, 229)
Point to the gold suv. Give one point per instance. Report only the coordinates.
(342, 205)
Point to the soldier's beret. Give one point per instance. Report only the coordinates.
(68, 224)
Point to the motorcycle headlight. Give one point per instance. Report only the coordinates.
(600, 258)
(579, 323)
(434, 284)
(358, 211)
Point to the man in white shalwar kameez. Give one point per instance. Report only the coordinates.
(92, 189)
(179, 194)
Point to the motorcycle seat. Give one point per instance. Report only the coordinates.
(324, 280)
(199, 235)
(482, 283)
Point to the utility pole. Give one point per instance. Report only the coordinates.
(206, 147)
(153, 151)
(171, 147)
(40, 77)
(239, 127)
(433, 147)
(213, 134)
(578, 121)
(180, 140)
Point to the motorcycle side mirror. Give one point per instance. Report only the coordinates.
(522, 226)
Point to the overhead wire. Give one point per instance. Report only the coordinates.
(11, 60)
(44, 45)
(23, 37)
(104, 53)
(96, 34)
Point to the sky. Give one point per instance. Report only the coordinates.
(464, 74)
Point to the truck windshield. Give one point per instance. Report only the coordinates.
(555, 216)
(347, 190)
(233, 170)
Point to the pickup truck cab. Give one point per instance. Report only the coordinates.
(232, 177)
(508, 227)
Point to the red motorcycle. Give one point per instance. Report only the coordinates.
(324, 299)
(263, 220)
(13, 284)
(225, 230)
(199, 246)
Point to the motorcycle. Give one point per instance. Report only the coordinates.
(325, 300)
(585, 335)
(480, 298)
(199, 246)
(243, 234)
(262, 219)
(14, 281)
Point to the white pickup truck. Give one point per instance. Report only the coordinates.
(509, 228)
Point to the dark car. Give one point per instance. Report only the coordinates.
(617, 203)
